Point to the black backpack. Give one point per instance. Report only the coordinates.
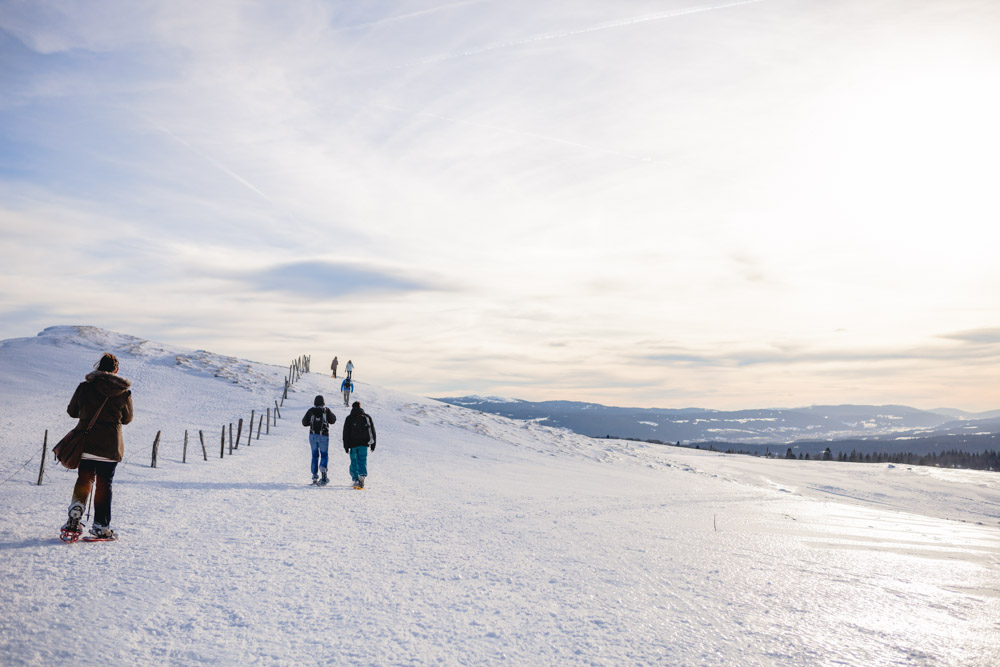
(360, 433)
(318, 420)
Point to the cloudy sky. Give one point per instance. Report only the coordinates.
(660, 203)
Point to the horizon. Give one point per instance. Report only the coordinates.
(677, 202)
(321, 371)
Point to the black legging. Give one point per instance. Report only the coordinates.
(102, 472)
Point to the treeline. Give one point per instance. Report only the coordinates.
(950, 458)
(953, 458)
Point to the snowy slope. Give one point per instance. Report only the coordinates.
(480, 540)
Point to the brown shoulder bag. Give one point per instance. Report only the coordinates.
(70, 448)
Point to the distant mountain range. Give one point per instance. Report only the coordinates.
(869, 427)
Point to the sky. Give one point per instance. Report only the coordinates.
(669, 203)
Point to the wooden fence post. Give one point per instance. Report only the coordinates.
(184, 458)
(239, 433)
(260, 422)
(269, 421)
(277, 413)
(45, 451)
(204, 452)
(156, 449)
(250, 432)
(222, 444)
(230, 437)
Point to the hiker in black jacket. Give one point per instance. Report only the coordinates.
(359, 435)
(319, 418)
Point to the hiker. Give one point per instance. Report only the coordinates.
(333, 367)
(347, 387)
(319, 418)
(105, 395)
(349, 368)
(359, 435)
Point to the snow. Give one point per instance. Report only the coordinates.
(480, 540)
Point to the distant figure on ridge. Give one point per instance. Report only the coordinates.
(318, 418)
(105, 401)
(359, 435)
(347, 387)
(333, 367)
(349, 368)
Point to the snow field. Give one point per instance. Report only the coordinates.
(479, 540)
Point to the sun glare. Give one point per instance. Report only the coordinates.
(908, 152)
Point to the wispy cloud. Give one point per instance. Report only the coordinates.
(700, 201)
(562, 34)
(320, 280)
(976, 336)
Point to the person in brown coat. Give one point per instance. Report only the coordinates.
(108, 393)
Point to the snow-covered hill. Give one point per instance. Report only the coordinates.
(480, 540)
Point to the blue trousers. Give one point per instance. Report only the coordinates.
(359, 462)
(321, 451)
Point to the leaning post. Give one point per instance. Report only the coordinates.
(45, 451)
(156, 449)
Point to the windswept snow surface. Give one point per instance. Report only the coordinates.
(480, 540)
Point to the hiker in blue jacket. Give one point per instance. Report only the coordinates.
(347, 387)
(319, 418)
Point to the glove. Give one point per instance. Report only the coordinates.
(347, 450)
(373, 448)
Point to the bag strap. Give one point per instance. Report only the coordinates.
(93, 420)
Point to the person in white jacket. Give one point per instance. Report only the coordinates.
(349, 368)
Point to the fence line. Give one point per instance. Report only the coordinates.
(297, 368)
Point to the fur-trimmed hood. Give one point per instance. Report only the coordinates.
(108, 384)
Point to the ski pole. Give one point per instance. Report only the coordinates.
(90, 498)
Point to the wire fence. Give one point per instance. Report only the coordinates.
(201, 442)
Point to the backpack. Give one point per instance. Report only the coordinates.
(360, 433)
(318, 420)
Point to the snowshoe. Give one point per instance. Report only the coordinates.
(100, 533)
(109, 537)
(72, 529)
